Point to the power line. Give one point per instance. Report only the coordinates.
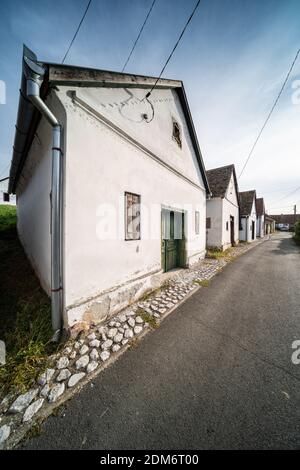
(289, 194)
(77, 30)
(139, 35)
(282, 207)
(4, 169)
(270, 113)
(174, 48)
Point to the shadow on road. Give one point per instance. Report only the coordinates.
(286, 246)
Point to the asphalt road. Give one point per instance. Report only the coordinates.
(217, 374)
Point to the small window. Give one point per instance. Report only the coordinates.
(177, 133)
(132, 216)
(5, 197)
(197, 222)
(208, 222)
(226, 225)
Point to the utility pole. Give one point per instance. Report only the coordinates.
(295, 212)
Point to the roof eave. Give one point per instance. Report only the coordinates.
(28, 118)
(192, 131)
(81, 76)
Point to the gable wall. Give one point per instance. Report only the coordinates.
(230, 208)
(220, 210)
(245, 233)
(124, 107)
(100, 166)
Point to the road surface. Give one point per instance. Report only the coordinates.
(217, 374)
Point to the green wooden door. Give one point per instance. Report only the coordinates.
(173, 243)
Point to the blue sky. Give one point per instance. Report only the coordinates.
(232, 59)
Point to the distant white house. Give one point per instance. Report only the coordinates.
(222, 223)
(5, 197)
(260, 217)
(128, 198)
(248, 215)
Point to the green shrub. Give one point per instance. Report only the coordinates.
(297, 231)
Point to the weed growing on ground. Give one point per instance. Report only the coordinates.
(25, 312)
(203, 282)
(149, 319)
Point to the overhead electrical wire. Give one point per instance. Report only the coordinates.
(4, 169)
(77, 30)
(174, 48)
(138, 36)
(289, 194)
(270, 113)
(281, 207)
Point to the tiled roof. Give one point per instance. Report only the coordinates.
(285, 218)
(246, 201)
(260, 206)
(218, 179)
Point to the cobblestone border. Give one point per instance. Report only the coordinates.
(82, 359)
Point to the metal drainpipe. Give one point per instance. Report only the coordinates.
(33, 93)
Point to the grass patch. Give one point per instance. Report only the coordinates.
(218, 254)
(203, 282)
(296, 235)
(8, 217)
(149, 319)
(25, 312)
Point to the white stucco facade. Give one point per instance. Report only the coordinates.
(109, 149)
(33, 192)
(112, 270)
(260, 226)
(4, 194)
(220, 210)
(247, 233)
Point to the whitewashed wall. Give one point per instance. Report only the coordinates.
(220, 210)
(214, 209)
(260, 226)
(4, 189)
(246, 222)
(100, 166)
(230, 208)
(33, 191)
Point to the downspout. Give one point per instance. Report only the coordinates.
(34, 77)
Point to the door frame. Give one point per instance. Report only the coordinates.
(181, 261)
(232, 234)
(253, 230)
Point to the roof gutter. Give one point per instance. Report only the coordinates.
(34, 75)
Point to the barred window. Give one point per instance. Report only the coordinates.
(208, 222)
(197, 222)
(132, 216)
